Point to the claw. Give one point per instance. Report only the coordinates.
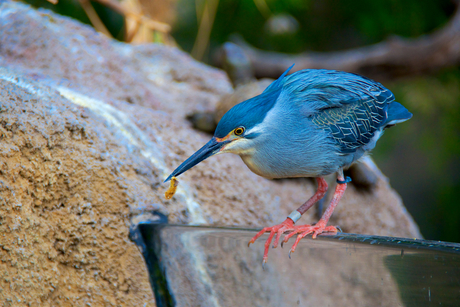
(279, 229)
(290, 235)
(288, 225)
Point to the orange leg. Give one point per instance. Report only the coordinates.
(319, 227)
(288, 224)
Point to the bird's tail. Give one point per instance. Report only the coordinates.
(397, 113)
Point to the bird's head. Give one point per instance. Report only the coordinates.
(238, 129)
(235, 133)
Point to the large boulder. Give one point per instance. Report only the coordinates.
(89, 128)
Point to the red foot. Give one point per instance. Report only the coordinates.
(304, 230)
(287, 225)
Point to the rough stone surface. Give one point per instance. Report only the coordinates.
(89, 128)
(65, 185)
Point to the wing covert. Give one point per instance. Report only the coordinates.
(351, 107)
(352, 125)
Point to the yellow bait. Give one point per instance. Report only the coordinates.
(172, 188)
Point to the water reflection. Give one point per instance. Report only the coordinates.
(201, 266)
(428, 278)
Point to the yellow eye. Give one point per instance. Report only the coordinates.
(239, 131)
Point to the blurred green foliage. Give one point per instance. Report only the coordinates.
(323, 25)
(113, 21)
(421, 157)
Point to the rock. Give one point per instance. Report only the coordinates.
(363, 176)
(64, 203)
(89, 129)
(203, 121)
(236, 64)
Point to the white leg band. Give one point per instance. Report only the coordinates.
(295, 215)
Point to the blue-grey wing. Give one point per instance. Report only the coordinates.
(352, 125)
(351, 107)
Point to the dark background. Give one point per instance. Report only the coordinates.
(421, 156)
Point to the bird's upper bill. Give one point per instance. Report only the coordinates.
(214, 146)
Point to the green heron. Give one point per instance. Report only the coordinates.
(311, 123)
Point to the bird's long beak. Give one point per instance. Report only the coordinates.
(211, 148)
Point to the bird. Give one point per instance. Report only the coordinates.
(311, 123)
